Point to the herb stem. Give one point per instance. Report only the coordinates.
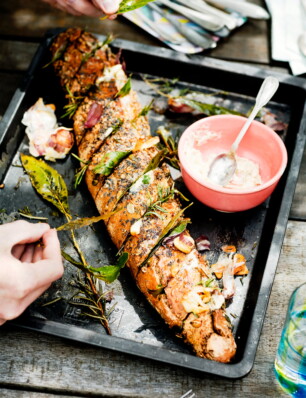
(90, 281)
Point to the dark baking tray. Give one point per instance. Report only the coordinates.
(258, 233)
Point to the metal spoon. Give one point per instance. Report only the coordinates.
(224, 165)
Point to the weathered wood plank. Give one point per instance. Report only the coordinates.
(16, 55)
(249, 44)
(51, 364)
(6, 393)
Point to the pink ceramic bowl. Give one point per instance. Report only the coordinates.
(214, 135)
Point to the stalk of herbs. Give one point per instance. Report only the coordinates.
(130, 5)
(52, 187)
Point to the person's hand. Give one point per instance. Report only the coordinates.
(91, 8)
(27, 268)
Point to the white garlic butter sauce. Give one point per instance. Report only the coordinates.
(247, 173)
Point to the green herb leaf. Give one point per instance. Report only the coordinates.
(125, 89)
(84, 222)
(109, 273)
(73, 261)
(109, 38)
(47, 182)
(130, 5)
(145, 110)
(209, 282)
(109, 161)
(79, 176)
(208, 109)
(181, 196)
(155, 162)
(180, 228)
(168, 142)
(146, 179)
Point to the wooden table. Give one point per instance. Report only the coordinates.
(37, 365)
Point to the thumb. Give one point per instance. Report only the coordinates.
(108, 6)
(20, 232)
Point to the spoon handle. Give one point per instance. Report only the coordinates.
(266, 92)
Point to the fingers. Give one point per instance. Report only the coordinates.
(27, 255)
(17, 251)
(19, 232)
(30, 298)
(26, 268)
(38, 254)
(12, 307)
(109, 7)
(47, 264)
(61, 5)
(85, 7)
(51, 249)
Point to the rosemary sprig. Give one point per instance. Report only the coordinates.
(81, 172)
(152, 209)
(73, 105)
(58, 53)
(166, 88)
(91, 297)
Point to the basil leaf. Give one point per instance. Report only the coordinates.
(146, 179)
(109, 161)
(130, 5)
(179, 229)
(109, 273)
(208, 109)
(125, 89)
(47, 182)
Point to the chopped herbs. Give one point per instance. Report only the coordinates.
(146, 179)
